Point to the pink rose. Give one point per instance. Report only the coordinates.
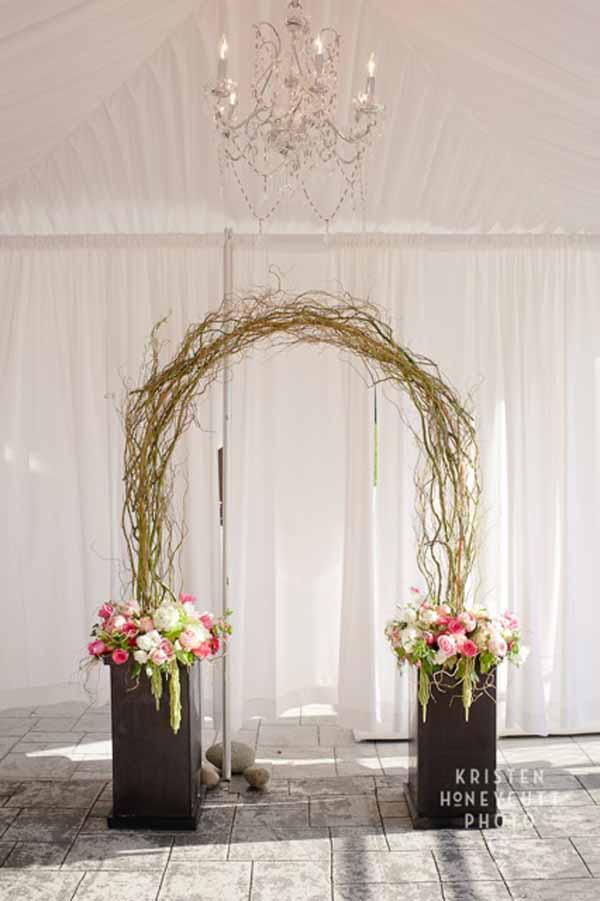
(207, 621)
(203, 651)
(120, 656)
(146, 624)
(187, 598)
(511, 620)
(455, 627)
(167, 648)
(96, 648)
(129, 628)
(106, 611)
(158, 656)
(468, 648)
(429, 638)
(447, 644)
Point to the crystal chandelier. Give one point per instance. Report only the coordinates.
(288, 138)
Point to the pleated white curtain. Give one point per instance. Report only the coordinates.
(319, 555)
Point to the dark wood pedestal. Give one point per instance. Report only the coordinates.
(452, 768)
(155, 772)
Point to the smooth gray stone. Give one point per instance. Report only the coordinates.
(257, 777)
(242, 756)
(209, 775)
(297, 881)
(537, 859)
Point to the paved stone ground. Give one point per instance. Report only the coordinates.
(333, 827)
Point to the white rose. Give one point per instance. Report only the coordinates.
(148, 641)
(166, 617)
(440, 658)
(140, 656)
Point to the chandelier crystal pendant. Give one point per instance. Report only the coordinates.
(289, 139)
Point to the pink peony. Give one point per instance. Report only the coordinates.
(106, 611)
(96, 648)
(447, 644)
(455, 627)
(120, 656)
(146, 624)
(468, 648)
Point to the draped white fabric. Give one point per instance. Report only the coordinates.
(492, 119)
(319, 558)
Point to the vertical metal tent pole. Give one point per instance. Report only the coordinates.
(227, 292)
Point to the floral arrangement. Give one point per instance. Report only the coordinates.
(174, 633)
(460, 643)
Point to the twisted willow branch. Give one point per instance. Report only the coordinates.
(158, 414)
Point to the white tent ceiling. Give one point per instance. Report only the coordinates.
(493, 113)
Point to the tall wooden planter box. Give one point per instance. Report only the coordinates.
(452, 768)
(155, 772)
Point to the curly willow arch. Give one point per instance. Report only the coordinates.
(157, 415)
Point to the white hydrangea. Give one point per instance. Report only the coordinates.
(149, 641)
(166, 617)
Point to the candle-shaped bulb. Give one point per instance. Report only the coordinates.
(223, 54)
(233, 98)
(371, 78)
(319, 54)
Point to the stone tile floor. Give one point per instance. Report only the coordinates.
(333, 826)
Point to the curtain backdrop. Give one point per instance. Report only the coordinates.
(319, 556)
